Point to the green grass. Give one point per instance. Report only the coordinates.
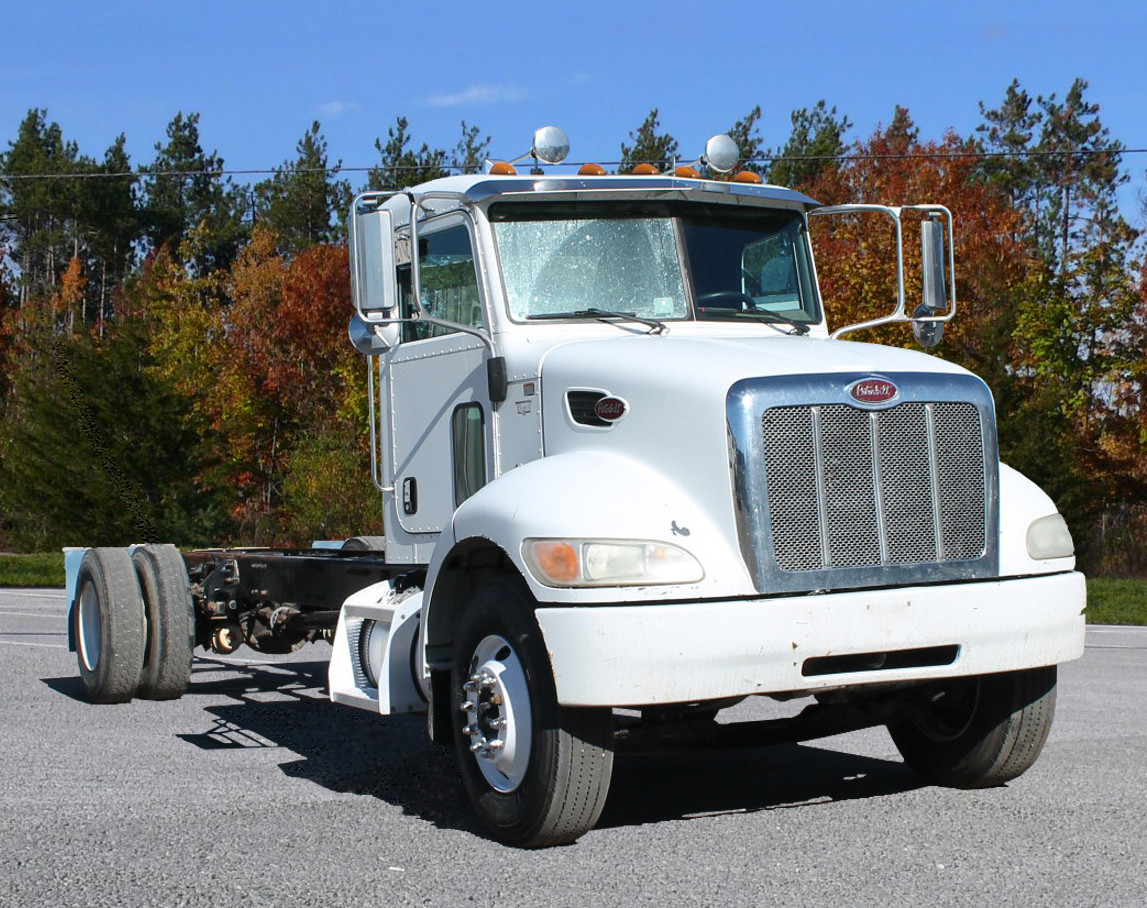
(41, 569)
(1112, 601)
(1109, 601)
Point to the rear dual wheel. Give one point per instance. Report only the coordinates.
(170, 615)
(134, 624)
(537, 773)
(109, 626)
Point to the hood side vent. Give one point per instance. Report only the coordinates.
(581, 407)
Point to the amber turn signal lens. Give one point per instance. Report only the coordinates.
(592, 170)
(687, 172)
(747, 176)
(645, 170)
(502, 169)
(556, 560)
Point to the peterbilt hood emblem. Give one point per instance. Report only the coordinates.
(610, 409)
(874, 391)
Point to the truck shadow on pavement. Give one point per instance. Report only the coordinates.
(284, 705)
(653, 788)
(389, 757)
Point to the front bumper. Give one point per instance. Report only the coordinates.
(631, 655)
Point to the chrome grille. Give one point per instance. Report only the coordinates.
(851, 488)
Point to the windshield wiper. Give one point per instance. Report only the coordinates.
(602, 315)
(764, 315)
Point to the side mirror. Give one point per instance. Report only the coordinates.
(371, 340)
(929, 333)
(932, 257)
(373, 283)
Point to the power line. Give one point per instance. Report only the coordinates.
(139, 175)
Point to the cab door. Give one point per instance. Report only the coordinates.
(440, 416)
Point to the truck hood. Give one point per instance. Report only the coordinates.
(715, 363)
(675, 390)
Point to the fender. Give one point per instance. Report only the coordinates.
(600, 495)
(1021, 502)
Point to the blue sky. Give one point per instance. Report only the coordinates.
(259, 72)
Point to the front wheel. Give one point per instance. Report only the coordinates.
(536, 773)
(979, 732)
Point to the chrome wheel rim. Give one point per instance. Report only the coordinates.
(90, 626)
(496, 706)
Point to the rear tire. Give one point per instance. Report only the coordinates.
(170, 613)
(536, 773)
(109, 628)
(980, 732)
(365, 544)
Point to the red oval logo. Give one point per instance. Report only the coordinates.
(872, 391)
(610, 409)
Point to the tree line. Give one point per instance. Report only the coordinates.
(173, 361)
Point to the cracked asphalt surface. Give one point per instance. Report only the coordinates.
(254, 789)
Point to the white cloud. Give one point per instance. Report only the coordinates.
(338, 108)
(479, 94)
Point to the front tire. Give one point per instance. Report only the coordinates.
(536, 773)
(109, 626)
(979, 732)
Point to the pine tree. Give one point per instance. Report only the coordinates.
(302, 202)
(400, 166)
(185, 189)
(814, 146)
(650, 146)
(39, 203)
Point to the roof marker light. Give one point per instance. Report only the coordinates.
(645, 170)
(502, 169)
(591, 170)
(747, 176)
(687, 172)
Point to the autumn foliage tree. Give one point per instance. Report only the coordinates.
(173, 355)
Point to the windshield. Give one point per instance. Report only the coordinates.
(656, 261)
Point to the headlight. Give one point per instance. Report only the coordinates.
(1049, 537)
(608, 562)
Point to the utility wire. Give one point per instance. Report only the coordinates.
(136, 175)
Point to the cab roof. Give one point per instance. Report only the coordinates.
(484, 187)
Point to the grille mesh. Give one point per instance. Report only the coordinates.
(855, 488)
(582, 403)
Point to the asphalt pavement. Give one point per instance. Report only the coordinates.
(254, 789)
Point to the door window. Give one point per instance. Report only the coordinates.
(469, 442)
(449, 284)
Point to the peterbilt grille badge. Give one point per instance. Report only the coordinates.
(874, 392)
(610, 409)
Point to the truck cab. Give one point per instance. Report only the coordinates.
(612, 427)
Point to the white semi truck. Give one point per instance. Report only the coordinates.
(629, 478)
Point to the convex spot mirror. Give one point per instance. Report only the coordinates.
(722, 153)
(371, 340)
(551, 145)
(928, 334)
